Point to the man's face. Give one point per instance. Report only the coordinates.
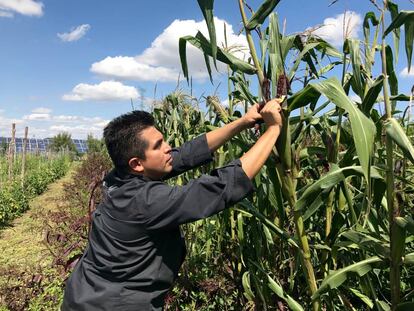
(158, 160)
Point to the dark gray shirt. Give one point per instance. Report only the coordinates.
(135, 245)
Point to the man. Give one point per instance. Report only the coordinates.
(135, 245)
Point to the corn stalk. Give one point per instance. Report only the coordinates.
(296, 190)
(285, 169)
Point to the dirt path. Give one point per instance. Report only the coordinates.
(21, 244)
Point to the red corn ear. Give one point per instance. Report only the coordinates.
(283, 86)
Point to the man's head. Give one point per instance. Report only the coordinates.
(136, 146)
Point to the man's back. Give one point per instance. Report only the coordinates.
(129, 263)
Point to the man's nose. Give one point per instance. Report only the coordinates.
(167, 148)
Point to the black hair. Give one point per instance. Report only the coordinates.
(123, 137)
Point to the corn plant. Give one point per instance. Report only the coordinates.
(332, 206)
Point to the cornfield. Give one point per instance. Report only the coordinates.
(330, 225)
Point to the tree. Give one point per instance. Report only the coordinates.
(63, 141)
(95, 145)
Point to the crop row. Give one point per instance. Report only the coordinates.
(15, 193)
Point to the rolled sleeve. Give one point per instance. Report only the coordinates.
(166, 206)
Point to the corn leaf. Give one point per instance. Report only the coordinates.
(240, 230)
(370, 16)
(246, 286)
(325, 48)
(200, 42)
(363, 297)
(405, 18)
(363, 129)
(286, 43)
(316, 204)
(206, 7)
(353, 46)
(367, 242)
(408, 259)
(409, 40)
(392, 77)
(402, 18)
(303, 98)
(251, 209)
(311, 151)
(400, 97)
(207, 62)
(242, 86)
(328, 68)
(261, 14)
(275, 50)
(307, 56)
(304, 54)
(393, 8)
(406, 223)
(397, 134)
(369, 52)
(371, 97)
(278, 290)
(326, 182)
(338, 277)
(275, 192)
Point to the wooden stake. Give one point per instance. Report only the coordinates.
(12, 147)
(26, 130)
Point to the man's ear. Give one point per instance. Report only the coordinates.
(135, 165)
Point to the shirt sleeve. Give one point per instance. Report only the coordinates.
(169, 206)
(190, 155)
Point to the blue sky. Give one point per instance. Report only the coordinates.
(73, 65)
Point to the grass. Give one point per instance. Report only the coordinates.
(22, 249)
(21, 244)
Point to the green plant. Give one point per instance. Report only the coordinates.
(61, 142)
(95, 145)
(331, 168)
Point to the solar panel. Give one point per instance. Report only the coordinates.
(41, 145)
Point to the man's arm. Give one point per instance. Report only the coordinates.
(218, 137)
(253, 160)
(199, 150)
(165, 206)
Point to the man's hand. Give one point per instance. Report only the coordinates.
(271, 113)
(254, 159)
(252, 116)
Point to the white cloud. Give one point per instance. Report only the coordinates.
(405, 74)
(63, 118)
(24, 7)
(104, 91)
(42, 110)
(79, 127)
(37, 116)
(6, 125)
(124, 67)
(161, 62)
(335, 29)
(75, 33)
(48, 125)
